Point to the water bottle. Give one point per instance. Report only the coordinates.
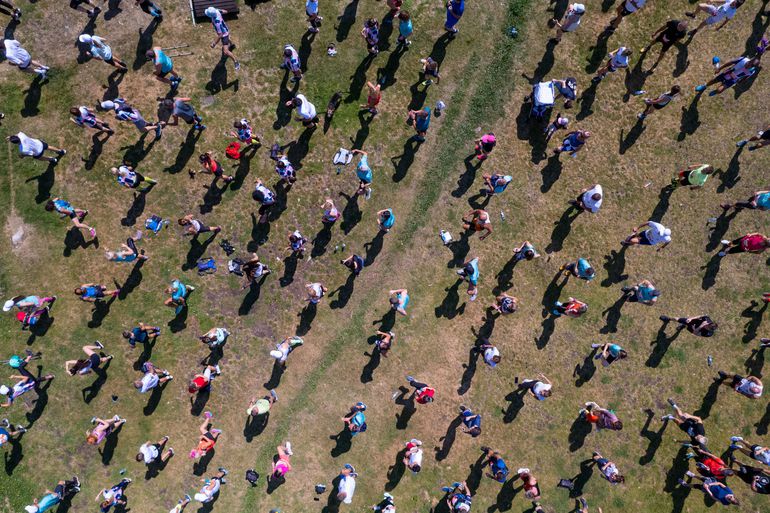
(513, 32)
(339, 169)
(709, 360)
(343, 245)
(715, 62)
(639, 92)
(502, 216)
(122, 471)
(336, 248)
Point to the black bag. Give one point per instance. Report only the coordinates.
(252, 476)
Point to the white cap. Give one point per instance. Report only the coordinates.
(8, 305)
(211, 11)
(4, 390)
(276, 354)
(579, 8)
(31, 509)
(85, 38)
(108, 105)
(507, 178)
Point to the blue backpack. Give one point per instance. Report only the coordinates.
(207, 266)
(155, 223)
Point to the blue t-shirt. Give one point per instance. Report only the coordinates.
(646, 293)
(179, 291)
(91, 292)
(388, 222)
(405, 28)
(763, 200)
(363, 171)
(614, 350)
(582, 269)
(47, 502)
(139, 334)
(403, 299)
(720, 492)
(458, 7)
(164, 61)
(3, 431)
(499, 466)
(61, 204)
(422, 124)
(473, 277)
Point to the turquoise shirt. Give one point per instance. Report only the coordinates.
(164, 61)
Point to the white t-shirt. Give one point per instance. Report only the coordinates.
(415, 457)
(490, 353)
(610, 470)
(630, 7)
(747, 387)
(16, 54)
(657, 233)
(538, 390)
(347, 485)
(741, 68)
(590, 203)
(29, 146)
(293, 60)
(619, 60)
(306, 110)
(149, 452)
(572, 20)
(725, 11)
(149, 381)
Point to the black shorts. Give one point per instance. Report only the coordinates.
(765, 135)
(210, 436)
(737, 380)
(203, 228)
(308, 122)
(658, 106)
(76, 3)
(218, 171)
(264, 209)
(45, 147)
(625, 12)
(666, 44)
(372, 46)
(95, 360)
(226, 40)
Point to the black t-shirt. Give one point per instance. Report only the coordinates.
(693, 428)
(672, 32)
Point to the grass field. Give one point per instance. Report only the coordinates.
(485, 75)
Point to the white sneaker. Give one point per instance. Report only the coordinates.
(288, 448)
(594, 346)
(725, 242)
(99, 344)
(736, 439)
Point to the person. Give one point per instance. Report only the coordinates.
(364, 174)
(454, 11)
(754, 451)
(762, 139)
(291, 61)
(103, 429)
(459, 497)
(471, 421)
(430, 71)
(525, 252)
(35, 148)
(126, 112)
(608, 469)
(667, 35)
(618, 59)
(531, 488)
(373, 98)
(653, 104)
(421, 119)
(282, 464)
(626, 8)
(355, 263)
(8, 432)
(347, 484)
(163, 66)
(713, 488)
(399, 300)
(314, 20)
(151, 8)
(470, 271)
(195, 227)
(708, 464)
(573, 142)
(253, 271)
(19, 57)
(541, 388)
(211, 486)
(266, 199)
(723, 13)
(580, 269)
(496, 184)
(413, 455)
(505, 304)
(395, 7)
(489, 352)
(655, 234)
(405, 29)
(315, 291)
(700, 326)
(306, 111)
(371, 34)
(85, 117)
(297, 243)
(285, 171)
(750, 243)
(212, 166)
(589, 200)
(100, 50)
(182, 108)
(128, 177)
(757, 478)
(7, 8)
(149, 452)
(610, 353)
(750, 387)
(386, 505)
(113, 496)
(215, 337)
(153, 377)
(484, 146)
(203, 381)
(245, 134)
(498, 470)
(141, 334)
(330, 212)
(178, 292)
(643, 292)
(90, 364)
(62, 490)
(695, 176)
(690, 424)
(478, 220)
(66, 209)
(384, 341)
(208, 437)
(78, 6)
(223, 33)
(559, 123)
(601, 417)
(26, 382)
(385, 219)
(570, 22)
(730, 73)
(423, 393)
(261, 405)
(571, 308)
(93, 292)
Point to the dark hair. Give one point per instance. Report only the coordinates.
(590, 271)
(403, 15)
(126, 334)
(618, 425)
(79, 365)
(386, 214)
(583, 308)
(622, 354)
(286, 52)
(150, 54)
(139, 456)
(182, 221)
(675, 89)
(237, 124)
(529, 254)
(14, 139)
(204, 157)
(596, 196)
(416, 469)
(75, 111)
(50, 206)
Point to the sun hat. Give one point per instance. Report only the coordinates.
(4, 390)
(579, 8)
(85, 38)
(211, 11)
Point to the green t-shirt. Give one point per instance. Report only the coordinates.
(697, 177)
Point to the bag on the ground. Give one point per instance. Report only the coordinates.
(343, 157)
(207, 266)
(252, 476)
(233, 150)
(235, 266)
(155, 223)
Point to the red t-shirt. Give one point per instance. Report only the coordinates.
(425, 395)
(753, 243)
(715, 465)
(200, 381)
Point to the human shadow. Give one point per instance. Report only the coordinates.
(580, 480)
(682, 59)
(635, 78)
(136, 208)
(344, 292)
(406, 400)
(448, 440)
(661, 344)
(282, 112)
(625, 143)
(252, 296)
(516, 400)
(110, 444)
(655, 438)
(97, 146)
(154, 399)
(306, 317)
(289, 270)
(74, 239)
(386, 75)
(212, 197)
(13, 457)
(470, 368)
(45, 181)
(351, 213)
(448, 307)
(612, 315)
(466, 179)
(100, 311)
(709, 399)
(756, 362)
(586, 370)
(690, 120)
(598, 52)
(367, 373)
(551, 173)
(586, 101)
(254, 426)
(718, 231)
(505, 276)
(505, 497)
(678, 493)
(44, 323)
(137, 152)
(299, 149)
(343, 442)
(200, 466)
(364, 118)
(763, 423)
(196, 251)
(664, 200)
(155, 468)
(396, 471)
(346, 21)
(730, 176)
(561, 229)
(387, 321)
(305, 49)
(712, 270)
(460, 249)
(41, 402)
(144, 43)
(179, 322)
(615, 264)
(132, 281)
(321, 240)
(754, 316)
(218, 81)
(402, 163)
(275, 376)
(373, 248)
(578, 432)
(550, 296)
(145, 355)
(32, 96)
(546, 62)
(186, 151)
(358, 79)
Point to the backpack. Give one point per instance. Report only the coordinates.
(233, 151)
(206, 266)
(342, 157)
(235, 266)
(155, 223)
(252, 476)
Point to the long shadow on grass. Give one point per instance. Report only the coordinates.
(358, 79)
(550, 296)
(756, 362)
(505, 276)
(332, 504)
(275, 376)
(580, 480)
(682, 59)
(754, 316)
(133, 280)
(186, 151)
(578, 432)
(143, 44)
(344, 292)
(730, 176)
(346, 20)
(200, 466)
(661, 344)
(612, 315)
(255, 426)
(516, 400)
(386, 75)
(196, 251)
(402, 163)
(712, 270)
(459, 249)
(586, 101)
(655, 438)
(719, 230)
(551, 173)
(321, 240)
(586, 370)
(598, 52)
(137, 152)
(373, 248)
(635, 78)
(343, 440)
(504, 499)
(289, 269)
(136, 208)
(305, 49)
(679, 465)
(367, 373)
(32, 98)
(763, 423)
(212, 197)
(90, 392)
(45, 181)
(40, 403)
(709, 399)
(146, 353)
(44, 323)
(351, 213)
(406, 400)
(448, 307)
(664, 200)
(218, 81)
(387, 321)
(625, 143)
(470, 368)
(179, 322)
(396, 471)
(561, 229)
(306, 317)
(154, 400)
(282, 112)
(615, 264)
(465, 182)
(546, 62)
(74, 239)
(690, 118)
(357, 142)
(255, 288)
(97, 146)
(100, 311)
(15, 455)
(110, 444)
(448, 439)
